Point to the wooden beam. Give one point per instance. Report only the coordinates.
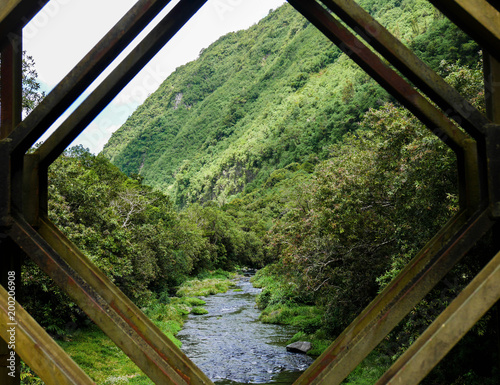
(40, 352)
(102, 309)
(14, 15)
(444, 333)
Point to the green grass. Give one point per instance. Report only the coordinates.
(206, 287)
(210, 283)
(213, 283)
(281, 305)
(198, 310)
(370, 370)
(219, 273)
(319, 341)
(263, 278)
(193, 301)
(305, 319)
(105, 363)
(101, 359)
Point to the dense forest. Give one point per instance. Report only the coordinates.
(258, 100)
(274, 150)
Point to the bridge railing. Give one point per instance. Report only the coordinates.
(26, 230)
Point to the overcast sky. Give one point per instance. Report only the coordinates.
(65, 30)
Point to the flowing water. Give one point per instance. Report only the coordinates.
(232, 347)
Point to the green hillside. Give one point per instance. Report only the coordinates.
(256, 101)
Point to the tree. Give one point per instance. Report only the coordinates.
(32, 95)
(375, 201)
(130, 203)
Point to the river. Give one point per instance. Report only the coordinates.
(232, 347)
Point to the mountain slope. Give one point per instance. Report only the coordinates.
(255, 101)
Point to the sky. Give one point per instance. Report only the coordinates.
(65, 30)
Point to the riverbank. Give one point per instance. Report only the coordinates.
(282, 303)
(231, 346)
(105, 363)
(280, 306)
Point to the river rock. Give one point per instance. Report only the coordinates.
(299, 347)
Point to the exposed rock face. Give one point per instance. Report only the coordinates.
(299, 347)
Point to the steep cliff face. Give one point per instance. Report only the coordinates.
(255, 101)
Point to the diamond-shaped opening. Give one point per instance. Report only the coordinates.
(418, 180)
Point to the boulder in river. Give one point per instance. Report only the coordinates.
(299, 347)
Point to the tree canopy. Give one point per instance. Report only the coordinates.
(259, 100)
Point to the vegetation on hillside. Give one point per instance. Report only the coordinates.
(259, 100)
(133, 234)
